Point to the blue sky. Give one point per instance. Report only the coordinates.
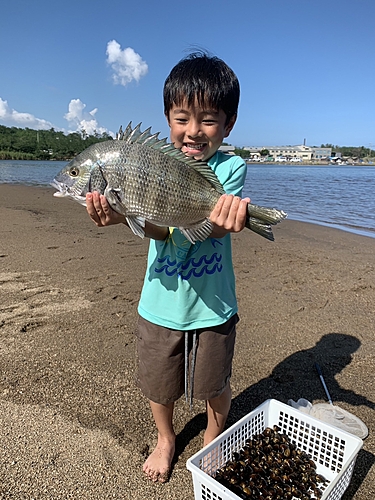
(306, 67)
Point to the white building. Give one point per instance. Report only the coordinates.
(290, 153)
(227, 149)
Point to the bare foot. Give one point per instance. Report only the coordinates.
(158, 465)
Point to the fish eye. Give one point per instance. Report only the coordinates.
(74, 172)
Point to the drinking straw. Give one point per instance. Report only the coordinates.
(319, 370)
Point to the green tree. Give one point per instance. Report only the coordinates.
(244, 153)
(25, 143)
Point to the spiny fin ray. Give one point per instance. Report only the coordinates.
(146, 138)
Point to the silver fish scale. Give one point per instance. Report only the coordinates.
(161, 189)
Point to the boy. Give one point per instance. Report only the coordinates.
(188, 308)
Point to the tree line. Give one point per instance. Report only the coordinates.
(28, 144)
(351, 151)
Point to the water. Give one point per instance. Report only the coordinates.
(334, 196)
(337, 196)
(30, 173)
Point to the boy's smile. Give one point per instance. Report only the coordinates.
(198, 131)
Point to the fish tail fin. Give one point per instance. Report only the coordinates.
(260, 227)
(265, 214)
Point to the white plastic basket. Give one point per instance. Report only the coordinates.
(334, 451)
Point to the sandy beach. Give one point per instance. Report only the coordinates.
(72, 423)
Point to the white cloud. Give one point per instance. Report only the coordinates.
(11, 117)
(75, 112)
(77, 117)
(126, 64)
(80, 119)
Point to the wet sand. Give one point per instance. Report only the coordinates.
(72, 422)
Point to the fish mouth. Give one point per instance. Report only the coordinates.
(63, 191)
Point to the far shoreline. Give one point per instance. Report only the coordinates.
(358, 232)
(309, 164)
(248, 162)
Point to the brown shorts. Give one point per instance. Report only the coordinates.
(161, 360)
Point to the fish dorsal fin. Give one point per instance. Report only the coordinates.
(136, 136)
(120, 133)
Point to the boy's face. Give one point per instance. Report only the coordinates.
(198, 131)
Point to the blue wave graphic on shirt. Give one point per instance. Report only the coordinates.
(191, 267)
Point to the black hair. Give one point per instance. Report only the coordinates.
(205, 78)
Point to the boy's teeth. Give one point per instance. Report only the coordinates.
(195, 146)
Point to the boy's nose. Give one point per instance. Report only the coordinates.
(193, 129)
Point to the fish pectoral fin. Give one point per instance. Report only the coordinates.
(137, 225)
(115, 199)
(199, 232)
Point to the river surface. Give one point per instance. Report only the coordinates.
(337, 196)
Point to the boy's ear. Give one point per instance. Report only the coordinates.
(167, 118)
(229, 126)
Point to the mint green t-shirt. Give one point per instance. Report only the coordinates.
(188, 286)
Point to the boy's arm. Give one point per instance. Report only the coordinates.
(102, 215)
(229, 215)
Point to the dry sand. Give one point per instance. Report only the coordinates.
(72, 423)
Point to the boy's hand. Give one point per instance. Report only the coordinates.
(102, 215)
(100, 211)
(229, 215)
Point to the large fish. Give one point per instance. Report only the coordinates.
(147, 179)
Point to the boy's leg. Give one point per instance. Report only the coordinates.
(212, 373)
(217, 413)
(158, 464)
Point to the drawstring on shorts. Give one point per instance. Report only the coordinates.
(189, 384)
